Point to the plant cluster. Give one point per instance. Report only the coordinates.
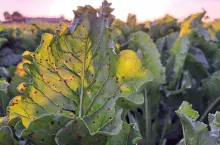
(102, 81)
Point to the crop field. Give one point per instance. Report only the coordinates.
(102, 81)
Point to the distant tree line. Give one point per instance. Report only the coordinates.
(15, 17)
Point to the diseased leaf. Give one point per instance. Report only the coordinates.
(77, 73)
(76, 132)
(43, 130)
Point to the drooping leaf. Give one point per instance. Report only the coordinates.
(76, 132)
(42, 131)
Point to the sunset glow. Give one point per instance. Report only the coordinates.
(144, 9)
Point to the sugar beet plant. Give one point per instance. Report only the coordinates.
(102, 81)
(80, 88)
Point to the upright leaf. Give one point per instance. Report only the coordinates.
(151, 60)
(76, 73)
(176, 62)
(195, 132)
(192, 22)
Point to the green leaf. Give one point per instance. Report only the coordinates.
(6, 136)
(131, 22)
(177, 60)
(76, 132)
(195, 132)
(148, 54)
(210, 85)
(150, 57)
(122, 26)
(3, 121)
(3, 86)
(127, 136)
(8, 57)
(166, 42)
(76, 73)
(186, 83)
(164, 45)
(19, 127)
(186, 109)
(197, 69)
(3, 41)
(162, 27)
(43, 130)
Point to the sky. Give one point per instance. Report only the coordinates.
(144, 9)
